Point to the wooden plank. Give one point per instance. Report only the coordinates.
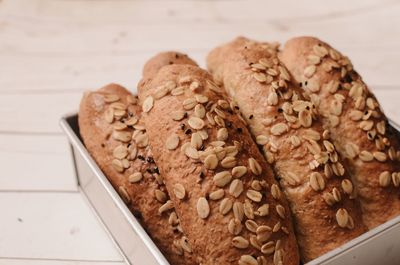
(36, 162)
(52, 226)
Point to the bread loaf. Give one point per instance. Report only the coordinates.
(357, 124)
(288, 129)
(225, 195)
(111, 128)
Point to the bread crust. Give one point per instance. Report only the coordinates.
(347, 105)
(193, 163)
(144, 197)
(270, 104)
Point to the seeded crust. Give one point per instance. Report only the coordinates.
(139, 196)
(186, 166)
(377, 182)
(153, 65)
(264, 100)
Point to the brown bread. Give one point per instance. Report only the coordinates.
(111, 128)
(217, 178)
(289, 130)
(357, 124)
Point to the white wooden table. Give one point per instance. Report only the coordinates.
(51, 51)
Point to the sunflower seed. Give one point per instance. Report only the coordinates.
(254, 195)
(279, 129)
(261, 139)
(366, 125)
(120, 152)
(396, 179)
(117, 164)
(268, 248)
(148, 104)
(239, 171)
(305, 118)
(189, 103)
(118, 106)
(317, 182)
(225, 206)
(196, 123)
(238, 211)
(240, 242)
(328, 198)
(179, 191)
(234, 226)
(281, 211)
(211, 161)
(178, 91)
(191, 152)
(351, 150)
(236, 188)
(380, 156)
(275, 191)
(366, 156)
(254, 166)
(381, 127)
(251, 226)
(185, 244)
(228, 162)
(222, 178)
(124, 194)
(122, 136)
(278, 257)
(216, 195)
(135, 177)
(342, 217)
(336, 195)
(263, 233)
(168, 205)
(272, 99)
(333, 120)
(203, 209)
(172, 142)
(347, 186)
(178, 115)
(320, 51)
(313, 59)
(384, 179)
(309, 71)
(260, 77)
(196, 141)
(222, 134)
(254, 242)
(160, 196)
(247, 260)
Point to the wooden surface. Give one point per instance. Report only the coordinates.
(51, 51)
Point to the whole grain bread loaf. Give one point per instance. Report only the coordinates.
(113, 133)
(288, 128)
(358, 126)
(228, 202)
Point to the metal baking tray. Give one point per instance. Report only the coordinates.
(378, 246)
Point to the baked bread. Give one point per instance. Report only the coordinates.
(154, 64)
(111, 128)
(225, 195)
(288, 129)
(357, 124)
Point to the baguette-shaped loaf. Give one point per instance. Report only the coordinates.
(110, 126)
(357, 124)
(288, 128)
(227, 200)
